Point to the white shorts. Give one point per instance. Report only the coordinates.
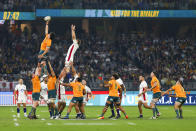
(21, 100)
(141, 98)
(45, 98)
(85, 101)
(62, 98)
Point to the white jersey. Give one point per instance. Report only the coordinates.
(88, 91)
(142, 86)
(21, 90)
(44, 89)
(120, 82)
(72, 50)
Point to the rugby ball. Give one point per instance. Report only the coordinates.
(47, 18)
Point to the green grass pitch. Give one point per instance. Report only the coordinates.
(167, 121)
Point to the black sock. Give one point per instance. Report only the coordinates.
(18, 110)
(25, 110)
(118, 111)
(67, 113)
(102, 114)
(157, 111)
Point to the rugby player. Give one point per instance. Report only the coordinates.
(181, 98)
(44, 92)
(114, 87)
(155, 88)
(85, 98)
(44, 49)
(78, 91)
(20, 94)
(52, 91)
(142, 96)
(70, 54)
(120, 82)
(36, 93)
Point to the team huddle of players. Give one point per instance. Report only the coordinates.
(49, 88)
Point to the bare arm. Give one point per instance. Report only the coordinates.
(73, 69)
(155, 84)
(120, 93)
(51, 69)
(46, 28)
(107, 85)
(124, 89)
(84, 91)
(167, 92)
(145, 90)
(73, 27)
(15, 94)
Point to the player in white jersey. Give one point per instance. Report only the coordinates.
(142, 96)
(121, 83)
(61, 98)
(44, 89)
(44, 92)
(20, 94)
(70, 54)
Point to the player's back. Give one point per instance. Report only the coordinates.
(113, 89)
(51, 83)
(77, 89)
(46, 42)
(179, 90)
(157, 88)
(36, 84)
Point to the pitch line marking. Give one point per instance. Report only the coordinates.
(88, 124)
(15, 119)
(131, 123)
(14, 115)
(49, 124)
(16, 124)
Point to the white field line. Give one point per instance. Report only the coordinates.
(78, 119)
(49, 124)
(14, 115)
(88, 124)
(15, 119)
(43, 119)
(16, 124)
(131, 123)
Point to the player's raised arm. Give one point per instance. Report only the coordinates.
(167, 92)
(46, 28)
(73, 34)
(51, 69)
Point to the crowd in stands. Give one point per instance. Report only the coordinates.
(31, 5)
(128, 54)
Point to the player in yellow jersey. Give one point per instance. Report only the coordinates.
(113, 97)
(45, 47)
(155, 88)
(78, 92)
(36, 93)
(181, 98)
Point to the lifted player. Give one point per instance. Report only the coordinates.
(70, 54)
(181, 98)
(44, 49)
(142, 96)
(21, 97)
(114, 87)
(155, 87)
(78, 91)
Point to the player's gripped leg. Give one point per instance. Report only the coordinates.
(18, 109)
(112, 110)
(25, 109)
(78, 106)
(153, 108)
(140, 109)
(147, 106)
(157, 111)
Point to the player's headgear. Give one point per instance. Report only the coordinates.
(116, 76)
(52, 35)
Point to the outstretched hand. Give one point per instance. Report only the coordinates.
(73, 27)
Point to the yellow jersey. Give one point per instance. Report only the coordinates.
(51, 83)
(179, 90)
(113, 89)
(157, 88)
(77, 89)
(46, 43)
(36, 84)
